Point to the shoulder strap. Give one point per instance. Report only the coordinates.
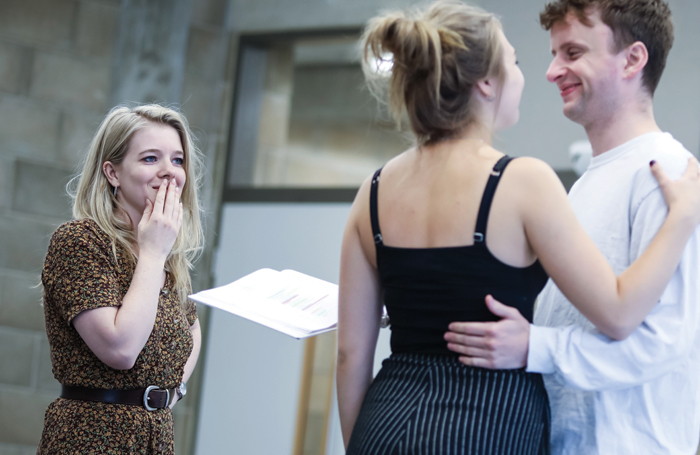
(373, 215)
(487, 198)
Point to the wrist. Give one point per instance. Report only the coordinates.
(684, 221)
(151, 259)
(181, 391)
(526, 344)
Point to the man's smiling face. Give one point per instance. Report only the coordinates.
(585, 68)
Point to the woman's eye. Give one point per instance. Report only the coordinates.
(150, 159)
(179, 161)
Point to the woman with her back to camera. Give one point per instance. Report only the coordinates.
(124, 337)
(451, 221)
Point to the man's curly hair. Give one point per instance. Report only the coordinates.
(648, 21)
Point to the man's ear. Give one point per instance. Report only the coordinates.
(486, 88)
(111, 173)
(636, 58)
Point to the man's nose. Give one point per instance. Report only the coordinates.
(555, 70)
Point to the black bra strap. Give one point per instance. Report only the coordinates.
(374, 217)
(487, 198)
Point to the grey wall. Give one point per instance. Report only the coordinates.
(54, 84)
(542, 131)
(56, 74)
(252, 373)
(247, 243)
(677, 104)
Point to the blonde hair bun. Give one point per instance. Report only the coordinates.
(438, 54)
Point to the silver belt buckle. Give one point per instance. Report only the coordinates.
(145, 397)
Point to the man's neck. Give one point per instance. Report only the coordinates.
(624, 126)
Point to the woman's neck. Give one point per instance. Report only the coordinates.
(474, 132)
(130, 220)
(470, 140)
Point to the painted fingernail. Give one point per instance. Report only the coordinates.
(652, 162)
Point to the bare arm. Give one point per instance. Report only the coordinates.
(118, 334)
(196, 331)
(622, 303)
(359, 314)
(662, 344)
(616, 305)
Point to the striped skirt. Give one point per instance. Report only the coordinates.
(434, 405)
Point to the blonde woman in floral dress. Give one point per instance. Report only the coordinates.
(124, 337)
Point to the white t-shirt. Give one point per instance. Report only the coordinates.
(640, 395)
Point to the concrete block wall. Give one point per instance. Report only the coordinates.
(56, 64)
(206, 99)
(56, 75)
(54, 82)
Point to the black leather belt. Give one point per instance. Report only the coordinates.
(151, 398)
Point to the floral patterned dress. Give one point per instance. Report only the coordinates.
(80, 273)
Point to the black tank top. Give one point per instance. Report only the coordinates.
(425, 289)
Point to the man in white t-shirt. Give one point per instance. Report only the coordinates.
(640, 395)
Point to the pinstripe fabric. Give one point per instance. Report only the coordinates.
(433, 405)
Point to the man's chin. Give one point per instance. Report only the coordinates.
(572, 112)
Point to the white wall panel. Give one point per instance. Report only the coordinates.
(252, 374)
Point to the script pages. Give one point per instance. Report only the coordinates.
(291, 302)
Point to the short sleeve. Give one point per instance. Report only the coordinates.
(191, 312)
(79, 273)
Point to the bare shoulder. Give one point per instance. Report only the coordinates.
(394, 165)
(400, 162)
(525, 165)
(362, 196)
(358, 229)
(533, 174)
(359, 213)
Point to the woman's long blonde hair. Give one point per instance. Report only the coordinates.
(93, 195)
(438, 54)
